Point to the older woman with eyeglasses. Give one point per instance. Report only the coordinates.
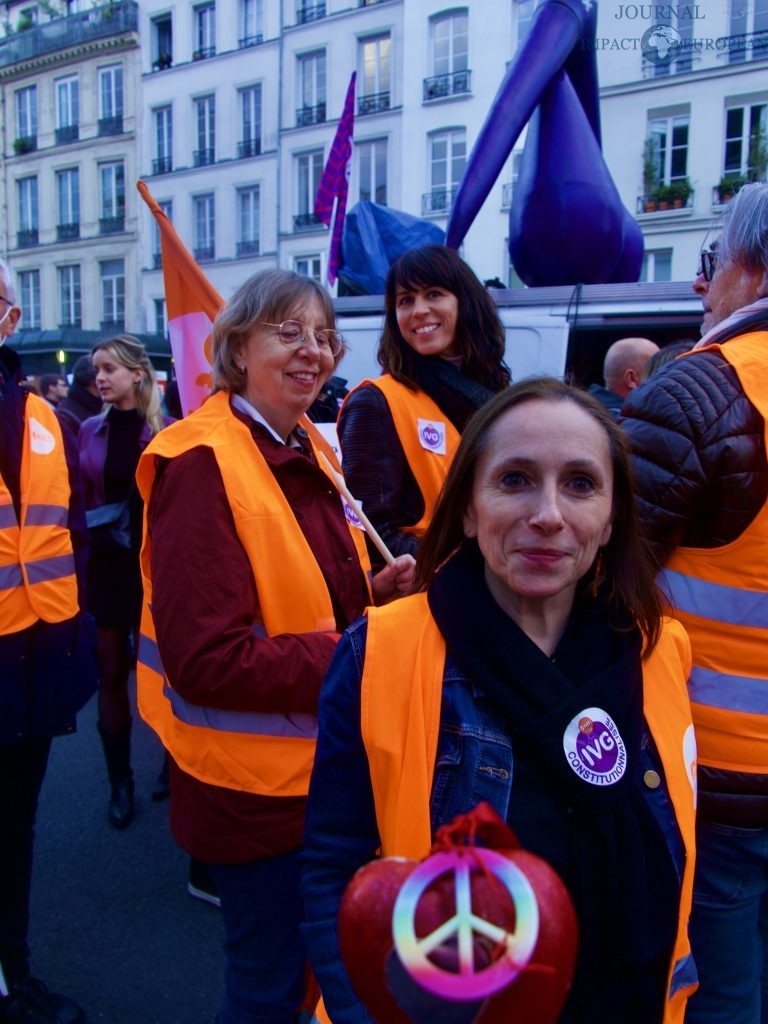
(251, 572)
(698, 430)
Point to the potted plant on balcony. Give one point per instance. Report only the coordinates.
(664, 196)
(729, 185)
(680, 192)
(23, 145)
(650, 173)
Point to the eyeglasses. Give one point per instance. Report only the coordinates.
(293, 334)
(3, 299)
(707, 261)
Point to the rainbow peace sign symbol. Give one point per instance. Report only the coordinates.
(468, 983)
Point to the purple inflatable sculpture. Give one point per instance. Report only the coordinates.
(567, 224)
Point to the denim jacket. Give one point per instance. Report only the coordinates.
(475, 762)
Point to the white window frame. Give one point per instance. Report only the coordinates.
(250, 113)
(205, 122)
(112, 189)
(449, 32)
(310, 265)
(309, 170)
(112, 291)
(161, 320)
(70, 295)
(204, 219)
(26, 112)
(205, 28)
(370, 153)
(27, 203)
(249, 216)
(313, 78)
(166, 205)
(68, 195)
(67, 101)
(648, 271)
(455, 162)
(163, 118)
(251, 22)
(111, 91)
(376, 64)
(750, 113)
(663, 128)
(29, 295)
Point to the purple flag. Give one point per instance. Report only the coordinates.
(331, 198)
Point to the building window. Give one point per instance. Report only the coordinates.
(67, 109)
(372, 170)
(205, 32)
(250, 111)
(68, 197)
(248, 209)
(251, 22)
(163, 162)
(162, 42)
(112, 276)
(308, 266)
(306, 11)
(26, 194)
(309, 168)
(375, 58)
(671, 137)
(747, 19)
(111, 100)
(112, 190)
(745, 142)
(26, 119)
(29, 294)
(205, 127)
(657, 265)
(449, 56)
(447, 157)
(166, 205)
(70, 309)
(508, 188)
(205, 227)
(312, 81)
(160, 324)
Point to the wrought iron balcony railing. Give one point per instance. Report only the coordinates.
(65, 232)
(306, 221)
(111, 125)
(452, 84)
(247, 41)
(162, 165)
(201, 157)
(111, 19)
(309, 12)
(310, 115)
(26, 238)
(439, 200)
(25, 144)
(205, 252)
(248, 147)
(373, 103)
(204, 53)
(248, 248)
(68, 133)
(111, 225)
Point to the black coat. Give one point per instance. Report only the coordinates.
(47, 671)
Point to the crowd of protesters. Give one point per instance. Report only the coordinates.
(559, 563)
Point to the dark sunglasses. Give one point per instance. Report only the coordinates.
(707, 263)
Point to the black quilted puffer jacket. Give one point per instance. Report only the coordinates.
(702, 477)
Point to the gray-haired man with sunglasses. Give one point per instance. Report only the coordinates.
(698, 431)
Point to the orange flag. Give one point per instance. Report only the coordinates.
(191, 303)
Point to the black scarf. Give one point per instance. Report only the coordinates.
(457, 395)
(601, 838)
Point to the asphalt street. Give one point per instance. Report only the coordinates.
(112, 925)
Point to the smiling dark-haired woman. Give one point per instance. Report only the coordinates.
(442, 353)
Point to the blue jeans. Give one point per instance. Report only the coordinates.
(262, 910)
(728, 916)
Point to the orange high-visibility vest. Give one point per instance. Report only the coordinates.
(721, 597)
(37, 564)
(428, 437)
(269, 754)
(400, 720)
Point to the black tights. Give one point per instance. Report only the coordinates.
(115, 664)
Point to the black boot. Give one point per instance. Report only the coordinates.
(117, 753)
(162, 787)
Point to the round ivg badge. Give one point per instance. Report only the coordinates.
(594, 748)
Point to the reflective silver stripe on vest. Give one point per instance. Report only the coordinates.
(731, 693)
(254, 723)
(10, 577)
(733, 605)
(7, 517)
(683, 974)
(46, 569)
(46, 515)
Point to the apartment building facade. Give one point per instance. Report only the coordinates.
(71, 112)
